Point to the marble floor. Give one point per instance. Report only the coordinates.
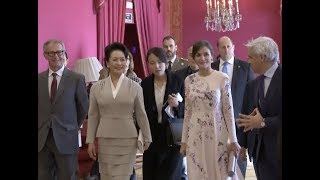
(250, 174)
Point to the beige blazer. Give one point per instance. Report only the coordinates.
(110, 117)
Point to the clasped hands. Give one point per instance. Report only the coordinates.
(251, 121)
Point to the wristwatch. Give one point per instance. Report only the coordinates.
(262, 124)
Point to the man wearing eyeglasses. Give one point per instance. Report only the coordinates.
(62, 107)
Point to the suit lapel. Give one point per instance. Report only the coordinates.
(152, 96)
(165, 98)
(64, 78)
(235, 76)
(274, 84)
(121, 89)
(175, 64)
(44, 79)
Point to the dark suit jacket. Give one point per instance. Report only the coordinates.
(272, 112)
(179, 63)
(265, 140)
(242, 73)
(162, 160)
(247, 139)
(67, 112)
(174, 85)
(184, 72)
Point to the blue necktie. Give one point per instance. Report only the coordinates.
(224, 67)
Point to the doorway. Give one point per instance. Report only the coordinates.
(132, 42)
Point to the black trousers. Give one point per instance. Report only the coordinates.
(162, 162)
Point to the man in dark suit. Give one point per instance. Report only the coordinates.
(174, 62)
(264, 121)
(190, 69)
(239, 73)
(62, 107)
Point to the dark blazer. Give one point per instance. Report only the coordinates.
(174, 85)
(272, 112)
(67, 112)
(262, 143)
(162, 160)
(242, 73)
(184, 72)
(247, 139)
(179, 63)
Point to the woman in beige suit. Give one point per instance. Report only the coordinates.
(112, 103)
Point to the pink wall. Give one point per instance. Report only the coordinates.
(73, 22)
(258, 18)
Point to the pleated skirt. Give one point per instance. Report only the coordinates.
(116, 157)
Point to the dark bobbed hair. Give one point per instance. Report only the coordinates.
(199, 44)
(159, 53)
(112, 47)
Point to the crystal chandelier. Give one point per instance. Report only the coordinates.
(221, 17)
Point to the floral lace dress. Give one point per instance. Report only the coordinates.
(208, 126)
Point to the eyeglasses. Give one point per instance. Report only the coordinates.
(53, 53)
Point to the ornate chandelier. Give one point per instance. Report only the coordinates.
(221, 17)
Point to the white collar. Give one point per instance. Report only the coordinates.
(173, 59)
(270, 72)
(59, 72)
(116, 89)
(230, 61)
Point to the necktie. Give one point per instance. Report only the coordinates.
(53, 87)
(169, 66)
(261, 86)
(261, 98)
(224, 67)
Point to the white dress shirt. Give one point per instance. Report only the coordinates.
(268, 76)
(159, 95)
(172, 61)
